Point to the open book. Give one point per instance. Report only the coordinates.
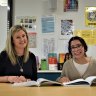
(39, 82)
(91, 80)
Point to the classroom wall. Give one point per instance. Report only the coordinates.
(3, 26)
(40, 8)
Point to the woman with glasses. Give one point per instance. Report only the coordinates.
(80, 65)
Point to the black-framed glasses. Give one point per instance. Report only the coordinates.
(78, 46)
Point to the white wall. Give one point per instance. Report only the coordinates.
(39, 7)
(3, 26)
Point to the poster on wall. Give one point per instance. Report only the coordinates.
(88, 35)
(90, 16)
(66, 29)
(32, 39)
(48, 46)
(70, 5)
(29, 22)
(47, 24)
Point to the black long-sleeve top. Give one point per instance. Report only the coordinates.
(29, 68)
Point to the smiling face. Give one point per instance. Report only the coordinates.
(77, 49)
(20, 40)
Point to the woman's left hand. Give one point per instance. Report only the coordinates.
(22, 79)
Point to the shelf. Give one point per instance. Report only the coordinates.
(49, 71)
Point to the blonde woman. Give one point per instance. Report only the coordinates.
(17, 64)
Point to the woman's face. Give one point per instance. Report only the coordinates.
(77, 49)
(20, 40)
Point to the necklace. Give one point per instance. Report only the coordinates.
(20, 63)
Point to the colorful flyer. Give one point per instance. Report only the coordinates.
(66, 29)
(90, 16)
(32, 39)
(88, 35)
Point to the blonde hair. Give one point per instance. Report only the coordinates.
(9, 48)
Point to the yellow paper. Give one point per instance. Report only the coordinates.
(90, 16)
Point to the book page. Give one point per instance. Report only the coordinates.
(47, 82)
(28, 83)
(91, 79)
(39, 82)
(76, 82)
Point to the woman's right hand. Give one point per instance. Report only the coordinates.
(64, 79)
(16, 79)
